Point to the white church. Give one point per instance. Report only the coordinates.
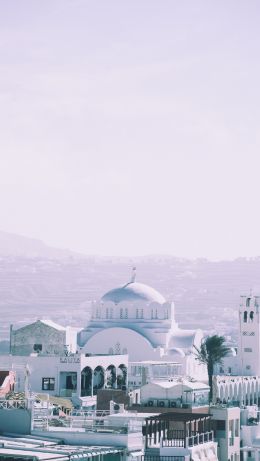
(137, 320)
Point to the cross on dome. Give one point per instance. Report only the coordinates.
(133, 275)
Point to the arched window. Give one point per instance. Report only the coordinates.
(152, 314)
(245, 317)
(251, 316)
(248, 302)
(142, 314)
(111, 312)
(126, 313)
(137, 314)
(156, 314)
(121, 313)
(106, 313)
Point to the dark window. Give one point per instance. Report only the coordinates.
(48, 384)
(37, 347)
(245, 316)
(248, 302)
(251, 315)
(221, 425)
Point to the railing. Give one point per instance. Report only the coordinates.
(197, 439)
(13, 404)
(161, 458)
(46, 423)
(177, 439)
(176, 443)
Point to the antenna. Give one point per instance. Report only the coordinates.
(133, 275)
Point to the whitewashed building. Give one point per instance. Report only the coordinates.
(75, 375)
(175, 393)
(138, 320)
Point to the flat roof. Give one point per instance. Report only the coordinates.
(180, 416)
(48, 449)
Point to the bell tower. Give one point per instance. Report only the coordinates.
(249, 332)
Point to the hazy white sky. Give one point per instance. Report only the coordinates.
(131, 127)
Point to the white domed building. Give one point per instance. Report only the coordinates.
(136, 319)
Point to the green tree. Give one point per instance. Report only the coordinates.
(211, 353)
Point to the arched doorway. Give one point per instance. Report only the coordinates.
(121, 376)
(98, 379)
(111, 377)
(86, 382)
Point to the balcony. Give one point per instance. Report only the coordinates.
(179, 441)
(178, 430)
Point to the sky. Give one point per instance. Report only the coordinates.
(131, 127)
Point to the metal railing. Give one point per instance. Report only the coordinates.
(161, 458)
(178, 440)
(197, 439)
(176, 443)
(13, 404)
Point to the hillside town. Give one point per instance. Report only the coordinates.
(130, 385)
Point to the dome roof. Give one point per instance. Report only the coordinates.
(133, 291)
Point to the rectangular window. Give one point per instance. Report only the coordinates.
(221, 425)
(37, 347)
(231, 441)
(247, 349)
(236, 428)
(48, 384)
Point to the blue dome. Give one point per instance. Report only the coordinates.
(133, 291)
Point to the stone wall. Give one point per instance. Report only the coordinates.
(26, 340)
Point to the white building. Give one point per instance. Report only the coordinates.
(136, 319)
(67, 376)
(240, 390)
(226, 424)
(143, 372)
(186, 436)
(250, 434)
(175, 393)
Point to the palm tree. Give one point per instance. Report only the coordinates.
(211, 352)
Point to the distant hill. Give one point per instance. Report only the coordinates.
(18, 245)
(39, 281)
